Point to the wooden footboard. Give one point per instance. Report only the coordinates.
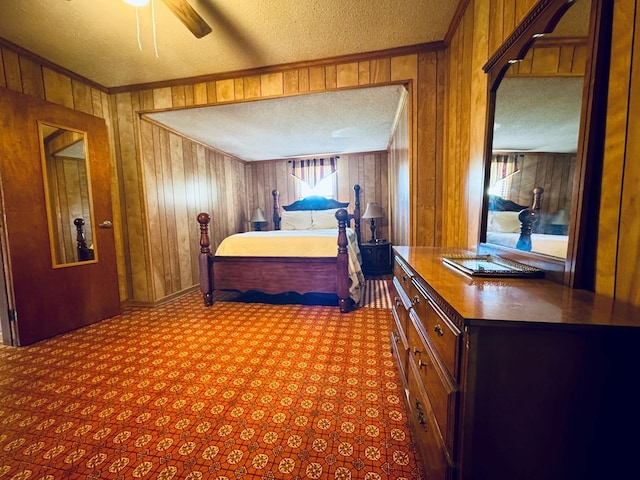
(276, 274)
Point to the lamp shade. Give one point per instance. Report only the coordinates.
(257, 216)
(373, 210)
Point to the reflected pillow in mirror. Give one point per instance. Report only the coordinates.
(297, 220)
(322, 219)
(504, 222)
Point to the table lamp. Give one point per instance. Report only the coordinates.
(372, 212)
(258, 219)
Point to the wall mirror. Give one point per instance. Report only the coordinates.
(68, 195)
(538, 159)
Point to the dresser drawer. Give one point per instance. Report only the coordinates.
(442, 331)
(432, 452)
(441, 391)
(399, 346)
(403, 275)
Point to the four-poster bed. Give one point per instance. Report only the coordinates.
(312, 250)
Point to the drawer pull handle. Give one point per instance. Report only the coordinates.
(438, 330)
(416, 300)
(396, 337)
(404, 278)
(420, 414)
(416, 351)
(421, 364)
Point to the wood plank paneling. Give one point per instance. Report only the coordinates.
(461, 88)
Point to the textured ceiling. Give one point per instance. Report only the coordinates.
(98, 38)
(348, 121)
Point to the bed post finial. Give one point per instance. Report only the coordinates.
(356, 212)
(276, 209)
(204, 263)
(528, 217)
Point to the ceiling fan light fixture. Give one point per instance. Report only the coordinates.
(137, 3)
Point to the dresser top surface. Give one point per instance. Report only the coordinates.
(489, 299)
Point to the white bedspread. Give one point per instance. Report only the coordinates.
(297, 243)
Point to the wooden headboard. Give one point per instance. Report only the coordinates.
(317, 202)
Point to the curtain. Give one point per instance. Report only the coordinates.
(502, 168)
(313, 170)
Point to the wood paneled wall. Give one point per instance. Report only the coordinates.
(369, 170)
(147, 264)
(181, 179)
(399, 167)
(437, 175)
(619, 223)
(551, 171)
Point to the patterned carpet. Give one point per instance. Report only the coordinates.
(234, 391)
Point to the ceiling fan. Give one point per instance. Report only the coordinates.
(185, 13)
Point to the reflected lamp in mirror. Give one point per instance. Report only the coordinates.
(372, 212)
(257, 219)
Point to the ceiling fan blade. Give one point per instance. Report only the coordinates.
(187, 15)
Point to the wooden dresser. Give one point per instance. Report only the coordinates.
(515, 378)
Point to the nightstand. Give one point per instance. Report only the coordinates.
(376, 258)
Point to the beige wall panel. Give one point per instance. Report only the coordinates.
(428, 191)
(272, 84)
(238, 89)
(303, 80)
(364, 70)
(200, 94)
(212, 96)
(136, 252)
(380, 70)
(331, 77)
(32, 81)
(225, 90)
(189, 95)
(347, 75)
(178, 96)
(317, 78)
(404, 67)
(290, 82)
(12, 74)
(628, 282)
(82, 97)
(162, 98)
(251, 87)
(57, 88)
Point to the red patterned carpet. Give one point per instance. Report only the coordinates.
(234, 391)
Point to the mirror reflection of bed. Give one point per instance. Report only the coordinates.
(535, 141)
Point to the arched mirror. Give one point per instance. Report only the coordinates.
(68, 195)
(541, 159)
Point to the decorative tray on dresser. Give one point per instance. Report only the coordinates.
(514, 378)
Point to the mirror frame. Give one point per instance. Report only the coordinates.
(51, 213)
(578, 269)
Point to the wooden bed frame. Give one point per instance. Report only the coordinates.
(528, 215)
(274, 275)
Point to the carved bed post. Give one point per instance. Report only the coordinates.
(276, 209)
(528, 217)
(342, 267)
(84, 253)
(356, 212)
(204, 262)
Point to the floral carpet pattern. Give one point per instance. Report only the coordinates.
(234, 391)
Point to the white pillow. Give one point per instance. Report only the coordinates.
(322, 219)
(505, 222)
(298, 220)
